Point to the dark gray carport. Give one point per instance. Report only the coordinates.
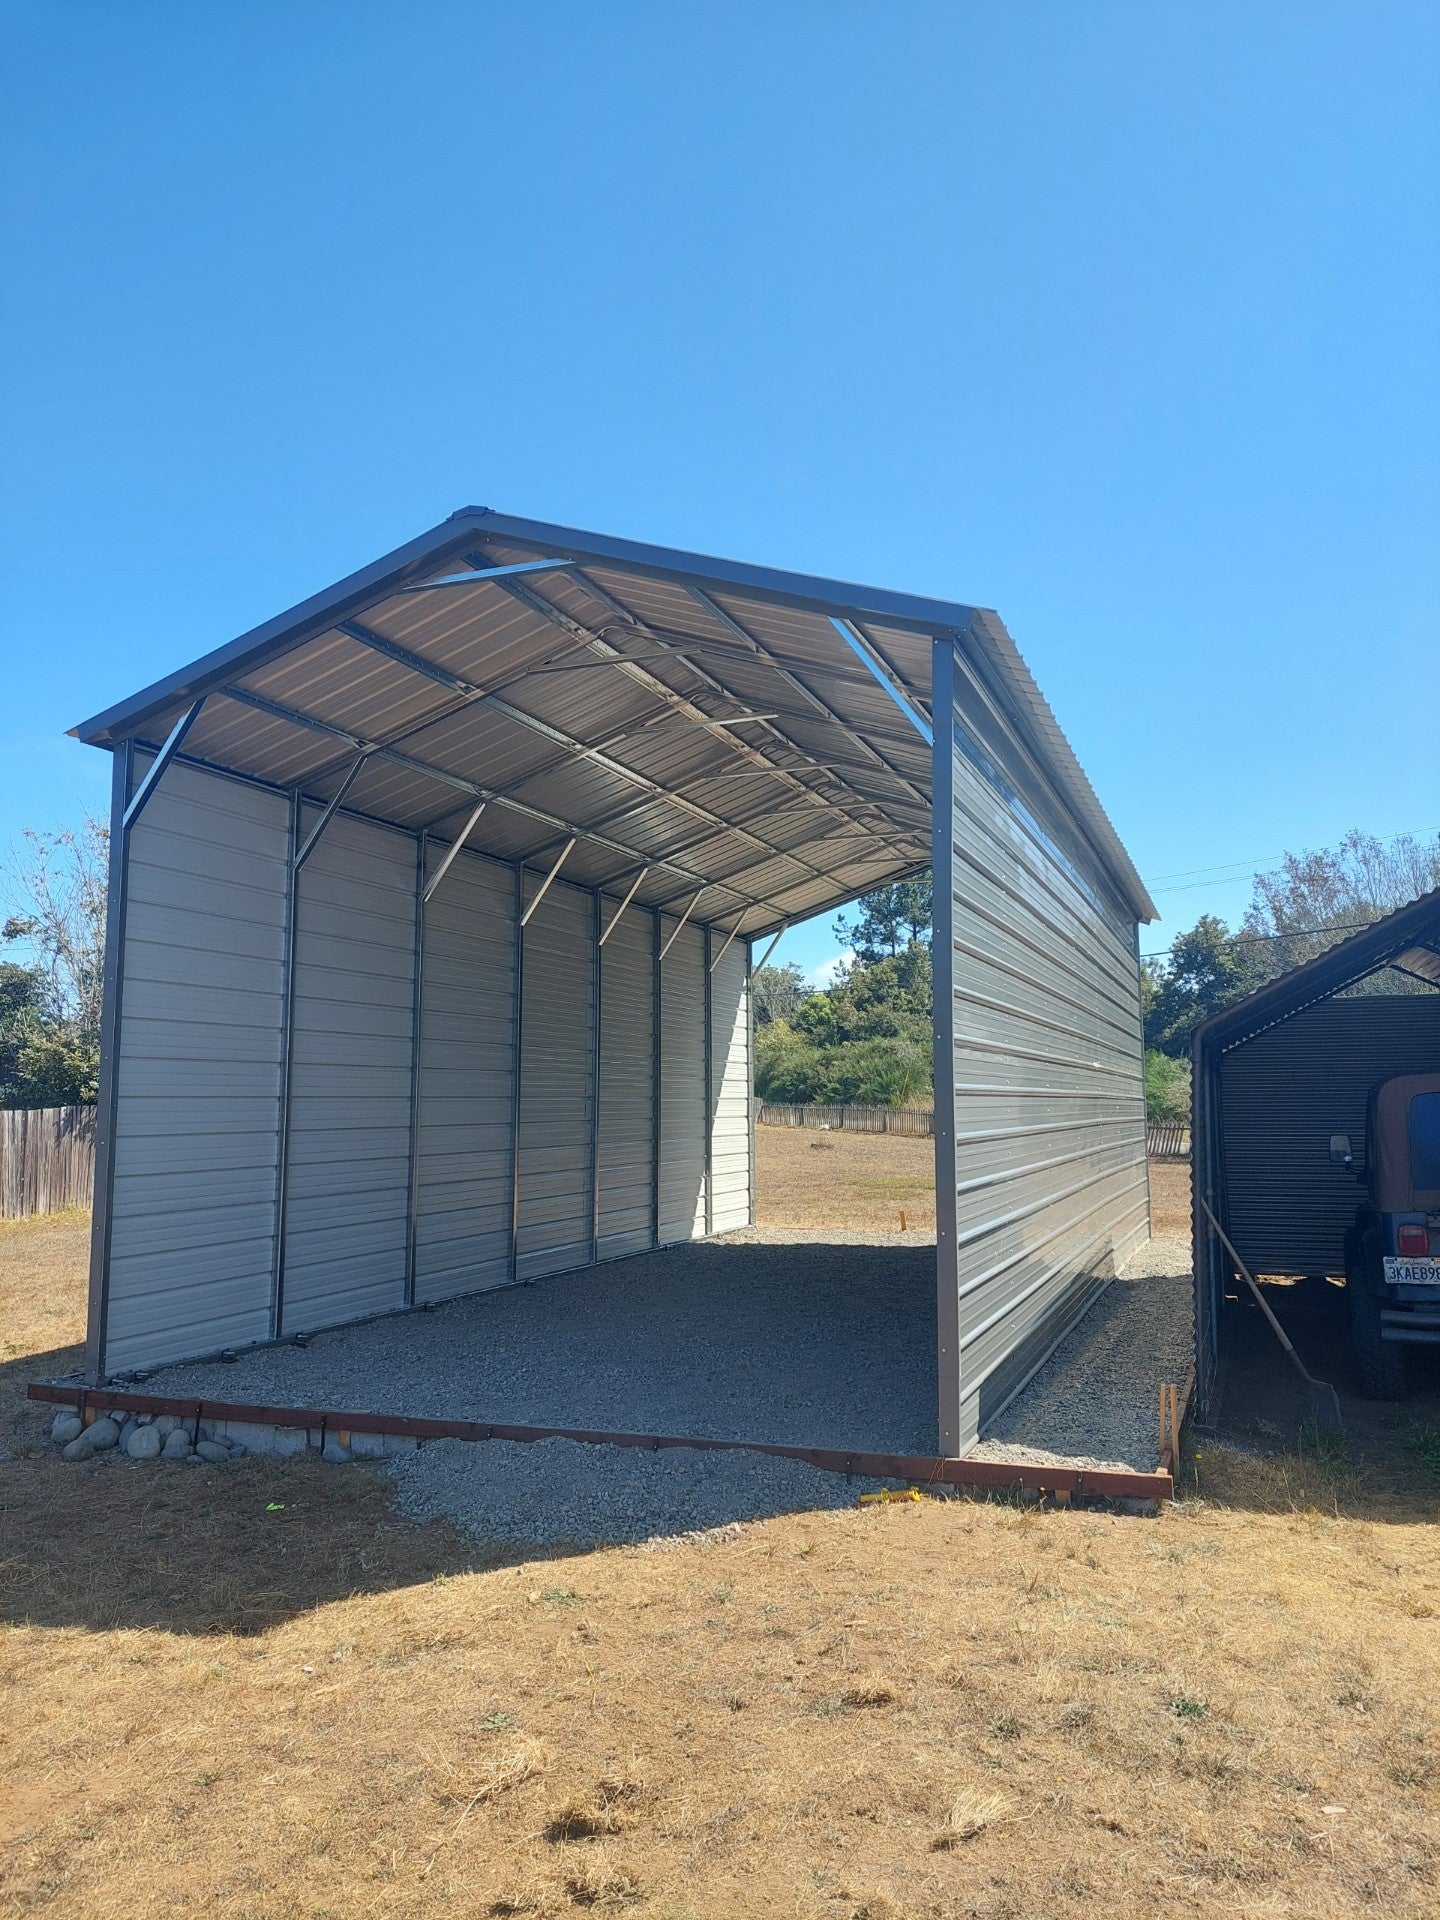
(627, 730)
(1274, 1076)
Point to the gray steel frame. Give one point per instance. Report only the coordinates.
(516, 1061)
(121, 774)
(708, 1005)
(657, 1003)
(947, 1303)
(750, 1057)
(300, 852)
(412, 1201)
(597, 1031)
(287, 1034)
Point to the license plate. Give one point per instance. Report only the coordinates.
(1412, 1273)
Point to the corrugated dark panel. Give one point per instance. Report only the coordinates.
(1283, 1094)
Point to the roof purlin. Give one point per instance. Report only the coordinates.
(971, 627)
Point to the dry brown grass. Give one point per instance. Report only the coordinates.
(252, 1691)
(1170, 1197)
(844, 1180)
(848, 1180)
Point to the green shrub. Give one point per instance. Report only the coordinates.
(1167, 1087)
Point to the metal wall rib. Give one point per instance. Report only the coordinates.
(1038, 1019)
(467, 1081)
(348, 1179)
(556, 1111)
(202, 1108)
(682, 1085)
(730, 1091)
(192, 1222)
(627, 1083)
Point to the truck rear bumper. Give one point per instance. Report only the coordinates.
(1418, 1326)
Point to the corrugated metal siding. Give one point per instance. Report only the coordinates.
(554, 1221)
(1049, 1112)
(627, 1132)
(682, 1085)
(729, 1091)
(1283, 1094)
(467, 1074)
(349, 1164)
(193, 1220)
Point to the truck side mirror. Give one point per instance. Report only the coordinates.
(1340, 1153)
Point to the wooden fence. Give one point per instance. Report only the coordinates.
(917, 1123)
(47, 1154)
(1163, 1140)
(47, 1159)
(1167, 1140)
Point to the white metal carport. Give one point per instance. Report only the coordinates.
(432, 916)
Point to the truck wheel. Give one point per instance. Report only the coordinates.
(1379, 1364)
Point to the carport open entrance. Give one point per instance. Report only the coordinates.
(434, 905)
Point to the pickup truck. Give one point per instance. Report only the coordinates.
(1392, 1248)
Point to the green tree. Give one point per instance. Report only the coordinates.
(779, 993)
(1207, 969)
(50, 1009)
(43, 1062)
(1315, 898)
(789, 1068)
(888, 919)
(866, 1038)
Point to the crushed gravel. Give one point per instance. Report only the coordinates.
(1093, 1403)
(795, 1337)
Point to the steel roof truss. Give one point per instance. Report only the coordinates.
(571, 748)
(547, 610)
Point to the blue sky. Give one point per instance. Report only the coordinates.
(1122, 320)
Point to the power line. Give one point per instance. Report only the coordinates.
(1237, 869)
(1249, 939)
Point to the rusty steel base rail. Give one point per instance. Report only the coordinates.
(922, 1470)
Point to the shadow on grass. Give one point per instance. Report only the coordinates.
(106, 1544)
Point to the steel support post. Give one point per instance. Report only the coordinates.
(657, 1077)
(121, 775)
(597, 977)
(750, 1066)
(287, 1035)
(708, 1004)
(412, 1204)
(947, 1298)
(1141, 1044)
(517, 1036)
(300, 852)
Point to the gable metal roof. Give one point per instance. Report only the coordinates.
(1408, 938)
(756, 741)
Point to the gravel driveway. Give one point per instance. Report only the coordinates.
(782, 1336)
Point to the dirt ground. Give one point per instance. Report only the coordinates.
(865, 1180)
(815, 1180)
(253, 1690)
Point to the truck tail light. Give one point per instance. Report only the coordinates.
(1413, 1240)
